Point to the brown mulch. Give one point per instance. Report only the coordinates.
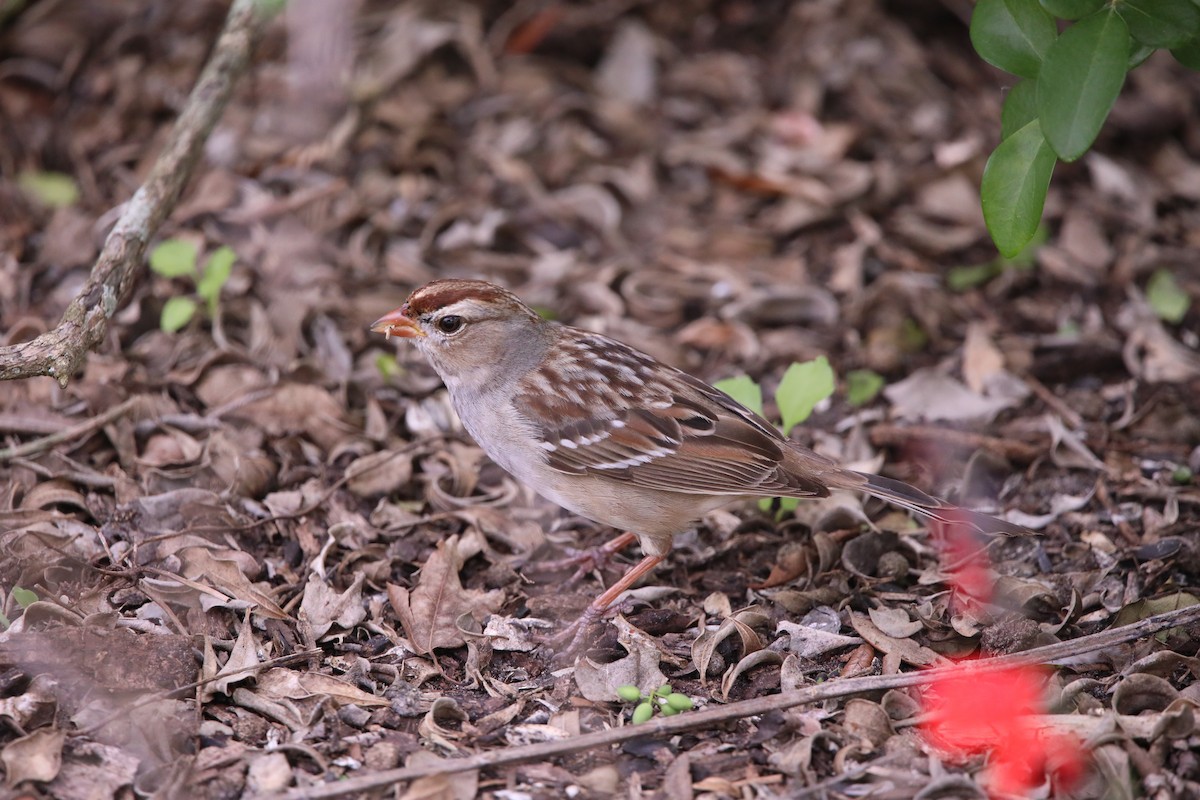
(280, 506)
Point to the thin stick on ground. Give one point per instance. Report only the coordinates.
(85, 428)
(60, 352)
(662, 727)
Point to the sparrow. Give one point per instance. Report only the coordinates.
(612, 434)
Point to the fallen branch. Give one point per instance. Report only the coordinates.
(60, 352)
(663, 727)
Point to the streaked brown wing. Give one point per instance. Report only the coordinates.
(671, 432)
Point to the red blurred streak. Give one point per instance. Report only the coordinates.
(527, 37)
(975, 714)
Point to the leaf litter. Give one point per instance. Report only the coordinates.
(289, 511)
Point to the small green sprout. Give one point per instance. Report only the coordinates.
(664, 700)
(177, 258)
(804, 385)
(1166, 297)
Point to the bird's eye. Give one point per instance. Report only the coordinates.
(450, 324)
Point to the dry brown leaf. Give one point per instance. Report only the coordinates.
(905, 649)
(241, 664)
(429, 612)
(34, 757)
(203, 566)
(282, 683)
(442, 786)
(599, 682)
(323, 608)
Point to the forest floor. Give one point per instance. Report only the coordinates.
(282, 505)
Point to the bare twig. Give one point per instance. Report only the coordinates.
(663, 727)
(85, 428)
(60, 352)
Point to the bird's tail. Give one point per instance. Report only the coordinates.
(913, 499)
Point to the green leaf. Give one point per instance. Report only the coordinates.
(912, 337)
(1166, 297)
(642, 713)
(1028, 255)
(1188, 54)
(24, 597)
(1150, 607)
(1182, 475)
(744, 390)
(387, 365)
(1080, 79)
(803, 386)
(1020, 108)
(968, 276)
(174, 258)
(1012, 35)
(53, 189)
(1072, 9)
(630, 694)
(1139, 54)
(216, 272)
(1014, 187)
(176, 313)
(786, 505)
(1160, 23)
(862, 386)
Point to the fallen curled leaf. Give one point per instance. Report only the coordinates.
(289, 683)
(34, 757)
(429, 612)
(906, 649)
(599, 682)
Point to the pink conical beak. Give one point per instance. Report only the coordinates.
(397, 323)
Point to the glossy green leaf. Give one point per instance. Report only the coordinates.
(862, 386)
(1081, 77)
(1160, 23)
(1072, 9)
(1020, 108)
(1012, 34)
(174, 258)
(803, 386)
(216, 273)
(1166, 297)
(744, 390)
(1139, 54)
(176, 313)
(1188, 54)
(52, 189)
(1014, 187)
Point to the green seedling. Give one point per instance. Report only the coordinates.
(1166, 297)
(804, 385)
(178, 258)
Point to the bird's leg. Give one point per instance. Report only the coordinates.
(584, 561)
(573, 636)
